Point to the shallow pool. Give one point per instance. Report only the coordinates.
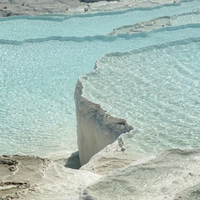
(41, 59)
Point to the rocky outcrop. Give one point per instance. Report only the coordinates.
(95, 127)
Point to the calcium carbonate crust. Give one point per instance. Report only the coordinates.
(34, 178)
(158, 23)
(95, 127)
(171, 175)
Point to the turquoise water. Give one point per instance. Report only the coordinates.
(22, 28)
(41, 59)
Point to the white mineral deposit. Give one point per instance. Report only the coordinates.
(99, 100)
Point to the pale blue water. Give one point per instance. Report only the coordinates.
(41, 59)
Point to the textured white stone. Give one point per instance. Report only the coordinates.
(34, 178)
(133, 93)
(172, 175)
(95, 128)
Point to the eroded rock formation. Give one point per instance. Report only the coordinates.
(95, 128)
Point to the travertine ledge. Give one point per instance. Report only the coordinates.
(95, 127)
(67, 7)
(171, 175)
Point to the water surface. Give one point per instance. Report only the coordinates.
(41, 59)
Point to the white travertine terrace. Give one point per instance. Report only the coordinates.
(95, 128)
(146, 88)
(172, 175)
(68, 7)
(126, 174)
(93, 89)
(162, 22)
